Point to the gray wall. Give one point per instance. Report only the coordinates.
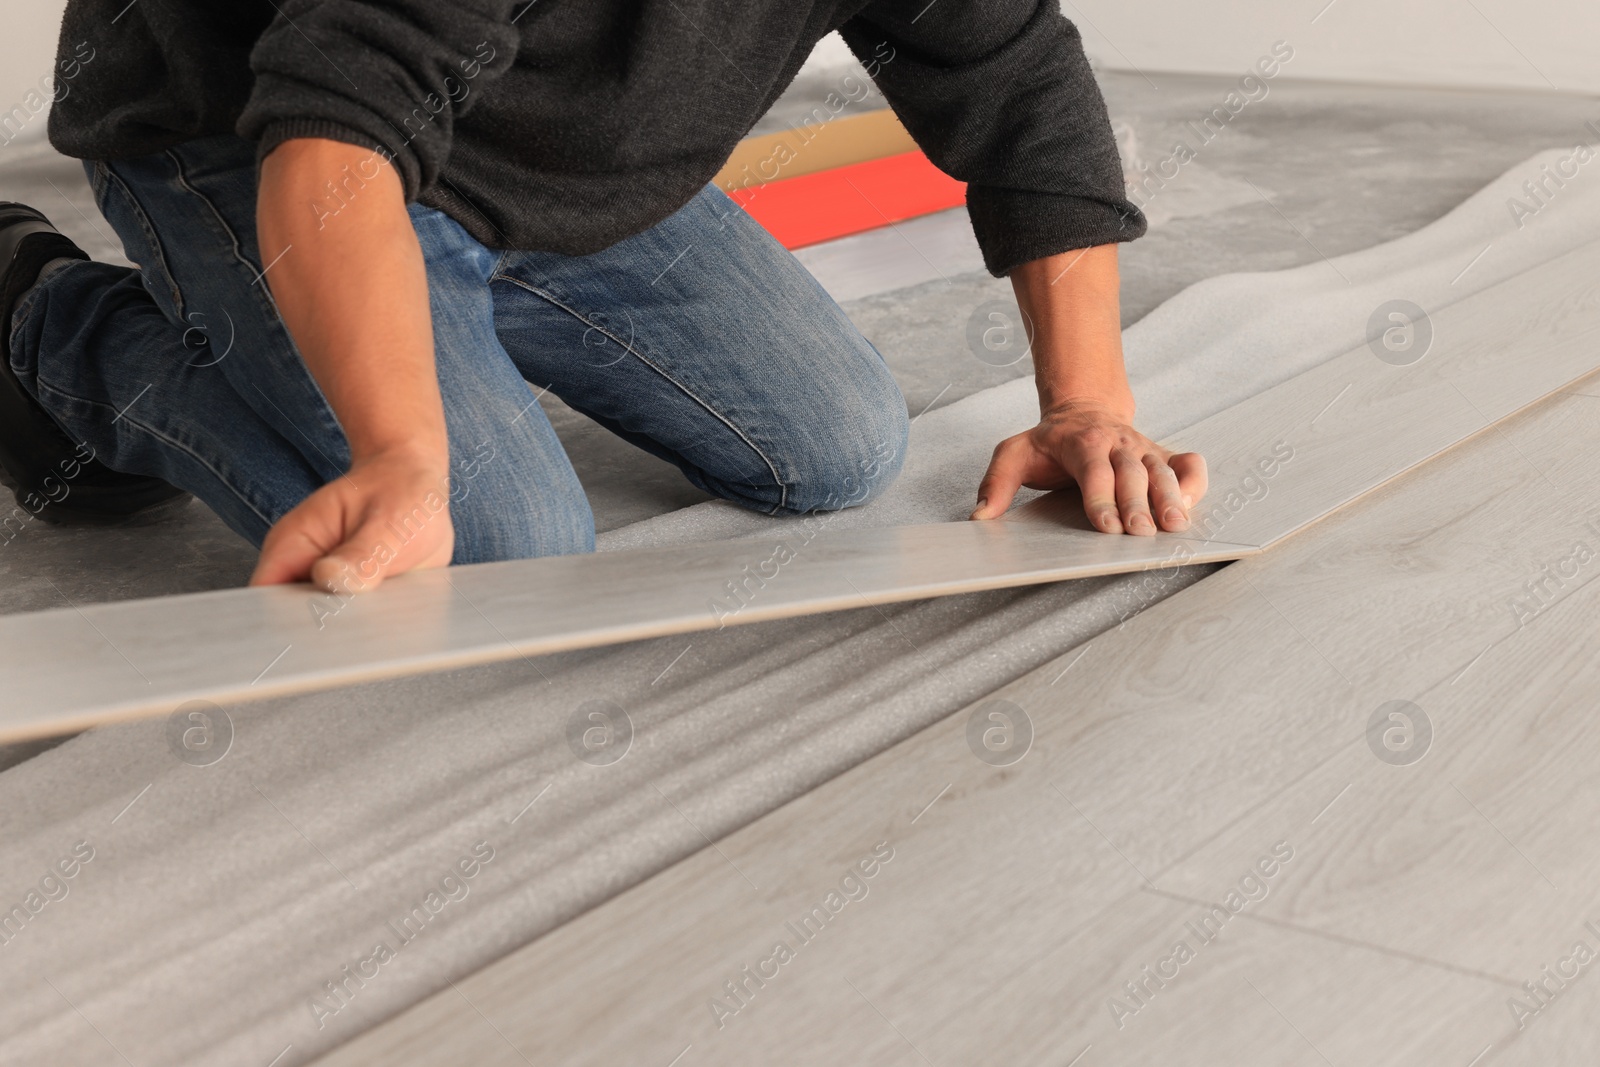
(1526, 44)
(27, 53)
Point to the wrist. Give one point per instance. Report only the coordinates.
(425, 454)
(1092, 375)
(1117, 403)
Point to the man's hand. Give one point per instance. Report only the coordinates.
(1085, 434)
(1128, 482)
(352, 287)
(388, 515)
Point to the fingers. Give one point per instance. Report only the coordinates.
(289, 559)
(1128, 483)
(375, 551)
(357, 565)
(291, 547)
(1133, 492)
(1166, 498)
(392, 528)
(1097, 483)
(1190, 468)
(1124, 491)
(1007, 468)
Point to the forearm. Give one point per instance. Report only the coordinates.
(1072, 301)
(352, 289)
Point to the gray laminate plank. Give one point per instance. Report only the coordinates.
(74, 667)
(1258, 994)
(1168, 758)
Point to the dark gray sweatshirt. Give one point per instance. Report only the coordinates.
(567, 125)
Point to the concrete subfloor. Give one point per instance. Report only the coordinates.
(1312, 170)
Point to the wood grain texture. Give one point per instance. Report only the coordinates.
(1257, 995)
(1480, 855)
(1169, 757)
(74, 667)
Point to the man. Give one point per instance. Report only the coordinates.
(363, 226)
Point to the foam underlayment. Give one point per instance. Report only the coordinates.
(222, 903)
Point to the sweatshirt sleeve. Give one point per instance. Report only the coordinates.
(1000, 95)
(390, 75)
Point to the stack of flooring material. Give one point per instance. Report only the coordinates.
(257, 889)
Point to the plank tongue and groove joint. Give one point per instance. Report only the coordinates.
(1352, 424)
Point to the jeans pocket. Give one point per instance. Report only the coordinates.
(139, 241)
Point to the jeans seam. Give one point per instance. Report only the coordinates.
(233, 237)
(44, 386)
(19, 317)
(259, 290)
(783, 489)
(154, 239)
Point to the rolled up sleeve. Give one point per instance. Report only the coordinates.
(1000, 95)
(391, 76)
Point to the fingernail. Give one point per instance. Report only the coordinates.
(1188, 501)
(1174, 518)
(983, 502)
(1141, 522)
(1108, 520)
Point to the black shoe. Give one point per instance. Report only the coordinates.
(50, 476)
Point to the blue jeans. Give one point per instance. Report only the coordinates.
(701, 341)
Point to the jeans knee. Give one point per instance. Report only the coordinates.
(502, 521)
(856, 462)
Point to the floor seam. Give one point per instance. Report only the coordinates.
(1341, 939)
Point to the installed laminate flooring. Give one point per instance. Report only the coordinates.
(1396, 885)
(1280, 460)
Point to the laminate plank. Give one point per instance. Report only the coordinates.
(1481, 855)
(1258, 994)
(71, 668)
(1563, 1031)
(1169, 757)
